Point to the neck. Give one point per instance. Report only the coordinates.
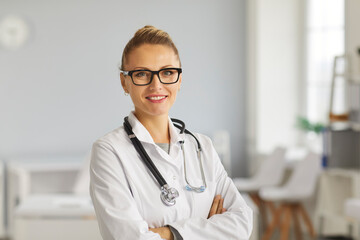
(157, 126)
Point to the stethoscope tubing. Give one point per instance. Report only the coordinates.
(143, 154)
(168, 194)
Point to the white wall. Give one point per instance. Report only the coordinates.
(274, 72)
(61, 91)
(352, 35)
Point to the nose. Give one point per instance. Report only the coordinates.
(155, 83)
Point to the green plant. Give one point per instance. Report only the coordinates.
(304, 124)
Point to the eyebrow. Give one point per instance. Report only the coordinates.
(146, 68)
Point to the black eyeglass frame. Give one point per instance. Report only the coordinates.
(130, 73)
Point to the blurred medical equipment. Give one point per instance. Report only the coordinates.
(300, 186)
(168, 194)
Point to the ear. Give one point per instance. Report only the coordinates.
(180, 79)
(123, 84)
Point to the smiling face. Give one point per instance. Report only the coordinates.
(155, 99)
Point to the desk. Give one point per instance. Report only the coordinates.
(335, 186)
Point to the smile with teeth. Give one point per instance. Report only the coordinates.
(156, 97)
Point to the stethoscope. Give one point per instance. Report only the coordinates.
(168, 194)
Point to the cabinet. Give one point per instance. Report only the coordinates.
(335, 186)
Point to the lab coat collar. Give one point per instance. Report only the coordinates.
(144, 136)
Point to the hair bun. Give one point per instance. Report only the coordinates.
(148, 35)
(149, 26)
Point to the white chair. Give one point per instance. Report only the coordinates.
(300, 186)
(269, 173)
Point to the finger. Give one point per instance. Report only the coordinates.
(223, 210)
(220, 206)
(214, 205)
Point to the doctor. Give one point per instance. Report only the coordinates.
(126, 193)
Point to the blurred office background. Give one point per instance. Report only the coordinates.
(251, 68)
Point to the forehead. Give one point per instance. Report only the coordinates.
(151, 55)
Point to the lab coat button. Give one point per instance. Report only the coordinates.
(242, 210)
(174, 177)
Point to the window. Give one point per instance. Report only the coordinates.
(325, 33)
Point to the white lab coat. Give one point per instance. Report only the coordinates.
(126, 196)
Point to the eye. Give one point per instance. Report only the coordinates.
(167, 73)
(141, 74)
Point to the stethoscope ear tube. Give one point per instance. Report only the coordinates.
(181, 125)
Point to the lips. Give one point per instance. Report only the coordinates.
(156, 98)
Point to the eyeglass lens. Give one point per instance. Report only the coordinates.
(143, 77)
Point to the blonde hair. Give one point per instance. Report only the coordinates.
(147, 35)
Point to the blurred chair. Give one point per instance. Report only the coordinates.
(269, 173)
(352, 211)
(300, 186)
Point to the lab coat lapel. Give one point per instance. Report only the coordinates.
(175, 139)
(144, 136)
(139, 130)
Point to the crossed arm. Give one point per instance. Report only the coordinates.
(122, 220)
(216, 208)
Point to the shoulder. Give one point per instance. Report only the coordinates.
(115, 138)
(206, 144)
(204, 140)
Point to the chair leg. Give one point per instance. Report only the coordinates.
(255, 198)
(262, 209)
(298, 233)
(273, 224)
(272, 207)
(306, 220)
(285, 224)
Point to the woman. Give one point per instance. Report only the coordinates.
(125, 193)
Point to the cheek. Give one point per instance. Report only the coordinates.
(135, 93)
(174, 92)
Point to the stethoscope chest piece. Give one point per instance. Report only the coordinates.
(168, 195)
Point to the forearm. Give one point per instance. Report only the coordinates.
(164, 232)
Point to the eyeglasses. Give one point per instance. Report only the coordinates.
(144, 77)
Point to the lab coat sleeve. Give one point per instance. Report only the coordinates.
(236, 223)
(116, 211)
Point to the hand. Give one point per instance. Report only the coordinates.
(164, 232)
(217, 206)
